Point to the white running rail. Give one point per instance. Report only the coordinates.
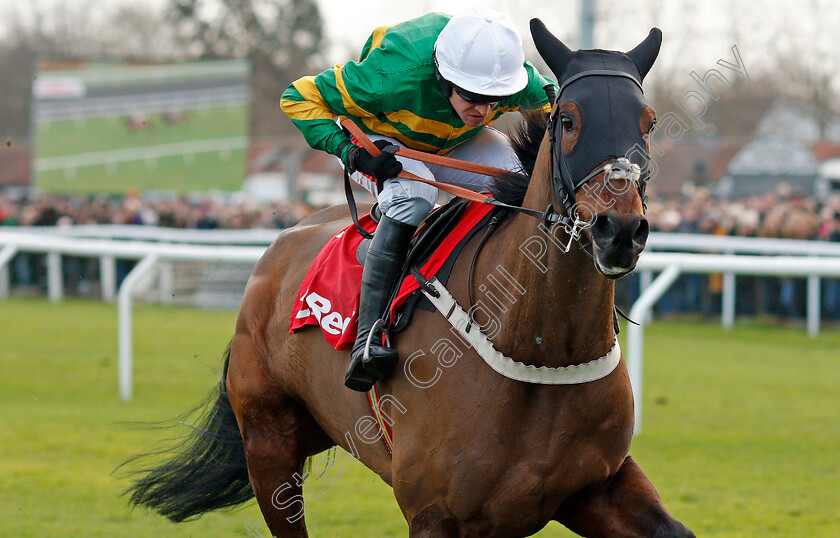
(671, 265)
(145, 153)
(150, 255)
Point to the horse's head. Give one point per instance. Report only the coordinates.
(598, 134)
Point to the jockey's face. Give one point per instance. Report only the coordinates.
(472, 114)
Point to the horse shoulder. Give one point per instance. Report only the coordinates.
(333, 213)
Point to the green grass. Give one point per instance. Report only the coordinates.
(206, 171)
(741, 429)
(102, 134)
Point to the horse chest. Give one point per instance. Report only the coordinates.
(526, 494)
(516, 474)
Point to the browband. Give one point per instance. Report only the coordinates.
(603, 72)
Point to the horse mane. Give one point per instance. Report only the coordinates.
(526, 140)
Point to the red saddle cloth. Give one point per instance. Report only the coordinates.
(329, 294)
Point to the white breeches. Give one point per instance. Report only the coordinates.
(410, 201)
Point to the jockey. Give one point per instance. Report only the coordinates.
(432, 84)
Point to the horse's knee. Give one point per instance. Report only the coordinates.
(626, 504)
(433, 521)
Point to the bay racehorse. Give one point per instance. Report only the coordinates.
(475, 453)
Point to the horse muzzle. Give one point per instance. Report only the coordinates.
(617, 243)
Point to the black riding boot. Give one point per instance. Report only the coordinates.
(385, 258)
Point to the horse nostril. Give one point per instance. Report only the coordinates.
(640, 234)
(605, 228)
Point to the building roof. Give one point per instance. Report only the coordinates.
(773, 155)
(690, 161)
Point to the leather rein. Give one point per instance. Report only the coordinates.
(548, 217)
(564, 187)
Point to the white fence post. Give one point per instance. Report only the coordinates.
(727, 315)
(635, 334)
(166, 282)
(822, 261)
(813, 305)
(6, 254)
(124, 333)
(644, 283)
(108, 278)
(60, 242)
(55, 280)
(5, 281)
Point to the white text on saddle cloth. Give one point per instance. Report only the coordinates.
(319, 308)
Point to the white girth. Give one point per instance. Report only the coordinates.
(564, 375)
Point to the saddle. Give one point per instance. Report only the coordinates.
(429, 238)
(329, 294)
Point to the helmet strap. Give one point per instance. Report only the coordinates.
(446, 88)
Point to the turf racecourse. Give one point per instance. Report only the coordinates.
(741, 432)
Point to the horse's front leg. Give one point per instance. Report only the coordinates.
(433, 522)
(625, 505)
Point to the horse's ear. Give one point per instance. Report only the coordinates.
(552, 50)
(646, 52)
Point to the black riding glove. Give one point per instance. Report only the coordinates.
(385, 166)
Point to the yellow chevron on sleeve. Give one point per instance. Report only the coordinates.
(435, 128)
(386, 129)
(422, 125)
(305, 110)
(379, 35)
(349, 104)
(313, 108)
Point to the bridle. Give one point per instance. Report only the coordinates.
(565, 186)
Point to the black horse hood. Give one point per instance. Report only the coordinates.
(610, 106)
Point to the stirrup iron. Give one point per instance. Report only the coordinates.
(380, 323)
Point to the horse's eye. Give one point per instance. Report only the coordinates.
(652, 127)
(567, 123)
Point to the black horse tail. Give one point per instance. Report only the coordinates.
(206, 471)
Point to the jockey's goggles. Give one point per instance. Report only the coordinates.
(477, 98)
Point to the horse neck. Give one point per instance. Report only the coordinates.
(563, 309)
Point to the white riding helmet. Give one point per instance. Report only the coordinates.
(480, 51)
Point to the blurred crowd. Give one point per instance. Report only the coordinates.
(81, 275)
(205, 212)
(786, 214)
(789, 215)
(783, 215)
